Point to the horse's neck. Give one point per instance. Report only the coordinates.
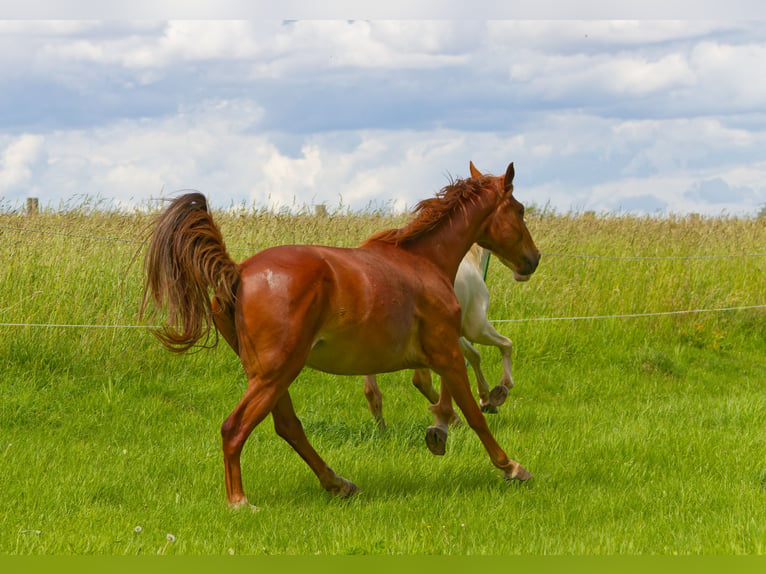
(446, 245)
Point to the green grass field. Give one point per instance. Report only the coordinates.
(646, 435)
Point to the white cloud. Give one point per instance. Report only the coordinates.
(177, 42)
(270, 48)
(670, 67)
(288, 177)
(16, 161)
(729, 75)
(599, 76)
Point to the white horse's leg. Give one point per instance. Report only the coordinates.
(489, 336)
(473, 296)
(474, 299)
(474, 359)
(374, 400)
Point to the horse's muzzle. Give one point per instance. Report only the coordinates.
(527, 267)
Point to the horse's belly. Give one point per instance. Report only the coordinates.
(357, 354)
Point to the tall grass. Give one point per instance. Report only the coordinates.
(646, 435)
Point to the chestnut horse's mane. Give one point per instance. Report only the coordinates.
(429, 213)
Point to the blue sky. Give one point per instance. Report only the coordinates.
(652, 116)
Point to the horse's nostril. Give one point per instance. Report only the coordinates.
(533, 261)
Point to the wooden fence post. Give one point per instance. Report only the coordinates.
(32, 206)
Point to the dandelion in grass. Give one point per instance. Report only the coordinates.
(137, 529)
(170, 540)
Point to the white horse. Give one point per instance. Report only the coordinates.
(473, 296)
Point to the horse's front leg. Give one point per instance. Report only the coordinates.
(451, 368)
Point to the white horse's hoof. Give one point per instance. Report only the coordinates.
(497, 396)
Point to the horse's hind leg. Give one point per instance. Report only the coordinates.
(260, 398)
(444, 415)
(287, 425)
(374, 400)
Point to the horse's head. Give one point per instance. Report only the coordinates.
(504, 232)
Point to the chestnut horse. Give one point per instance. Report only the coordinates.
(473, 297)
(385, 306)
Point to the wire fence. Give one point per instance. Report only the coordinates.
(653, 257)
(522, 320)
(519, 320)
(76, 326)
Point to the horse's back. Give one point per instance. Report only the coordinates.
(340, 272)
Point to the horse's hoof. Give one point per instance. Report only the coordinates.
(498, 395)
(436, 439)
(344, 489)
(489, 408)
(244, 505)
(518, 473)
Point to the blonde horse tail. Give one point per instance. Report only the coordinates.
(186, 262)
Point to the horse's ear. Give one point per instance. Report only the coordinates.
(475, 173)
(509, 173)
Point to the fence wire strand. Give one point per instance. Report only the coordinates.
(628, 315)
(521, 320)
